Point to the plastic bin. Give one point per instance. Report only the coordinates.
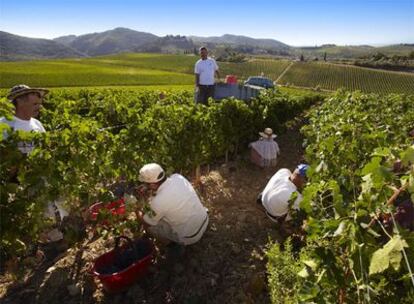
(116, 208)
(122, 279)
(231, 79)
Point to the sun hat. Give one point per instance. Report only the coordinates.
(151, 173)
(301, 169)
(22, 89)
(267, 133)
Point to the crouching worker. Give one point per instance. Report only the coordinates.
(282, 196)
(264, 152)
(178, 215)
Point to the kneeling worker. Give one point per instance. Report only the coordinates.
(178, 214)
(277, 194)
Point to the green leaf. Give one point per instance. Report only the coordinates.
(311, 263)
(303, 273)
(390, 254)
(408, 156)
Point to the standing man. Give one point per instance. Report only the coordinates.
(205, 70)
(27, 103)
(177, 213)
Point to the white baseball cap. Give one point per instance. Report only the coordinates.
(151, 173)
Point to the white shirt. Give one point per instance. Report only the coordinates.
(25, 125)
(177, 203)
(206, 69)
(276, 195)
(267, 148)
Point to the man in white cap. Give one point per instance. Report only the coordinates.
(27, 102)
(178, 214)
(277, 197)
(264, 151)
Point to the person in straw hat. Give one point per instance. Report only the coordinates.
(264, 151)
(178, 215)
(27, 102)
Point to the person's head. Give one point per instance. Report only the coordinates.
(27, 101)
(267, 134)
(203, 52)
(152, 175)
(298, 176)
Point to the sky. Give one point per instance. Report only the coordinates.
(295, 22)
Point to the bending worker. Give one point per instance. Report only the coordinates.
(178, 214)
(277, 198)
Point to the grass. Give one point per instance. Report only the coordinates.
(332, 77)
(269, 68)
(159, 71)
(99, 71)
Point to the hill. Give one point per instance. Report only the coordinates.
(243, 42)
(122, 40)
(114, 41)
(13, 47)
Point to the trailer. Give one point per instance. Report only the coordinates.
(242, 92)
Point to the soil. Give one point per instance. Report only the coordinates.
(228, 265)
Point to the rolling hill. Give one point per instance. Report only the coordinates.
(124, 40)
(114, 41)
(13, 47)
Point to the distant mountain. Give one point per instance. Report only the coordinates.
(109, 42)
(169, 44)
(66, 39)
(13, 47)
(351, 51)
(121, 40)
(235, 40)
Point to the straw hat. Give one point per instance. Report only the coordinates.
(267, 133)
(22, 89)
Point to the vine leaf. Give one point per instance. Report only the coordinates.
(390, 254)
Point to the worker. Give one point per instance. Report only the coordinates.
(282, 193)
(264, 151)
(177, 214)
(27, 104)
(205, 69)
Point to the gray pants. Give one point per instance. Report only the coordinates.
(164, 230)
(204, 93)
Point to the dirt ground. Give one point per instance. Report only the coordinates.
(228, 265)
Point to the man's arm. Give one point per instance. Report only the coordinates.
(197, 80)
(216, 70)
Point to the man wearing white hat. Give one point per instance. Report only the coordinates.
(27, 102)
(277, 198)
(178, 214)
(264, 151)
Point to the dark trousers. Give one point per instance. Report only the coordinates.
(204, 93)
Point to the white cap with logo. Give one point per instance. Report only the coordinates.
(151, 173)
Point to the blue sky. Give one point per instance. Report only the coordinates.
(295, 22)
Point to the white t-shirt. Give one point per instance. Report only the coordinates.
(206, 69)
(267, 148)
(276, 195)
(25, 125)
(177, 203)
